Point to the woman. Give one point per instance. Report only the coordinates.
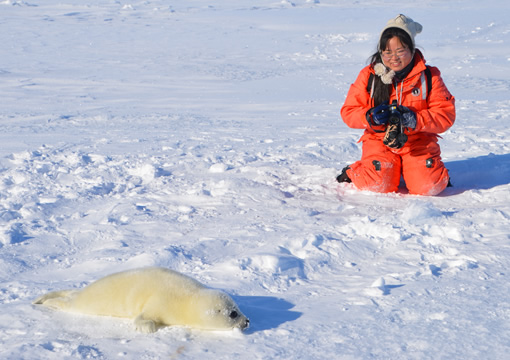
(401, 115)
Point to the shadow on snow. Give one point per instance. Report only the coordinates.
(266, 312)
(479, 173)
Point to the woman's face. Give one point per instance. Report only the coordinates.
(396, 56)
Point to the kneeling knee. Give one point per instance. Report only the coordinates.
(376, 176)
(429, 189)
(427, 180)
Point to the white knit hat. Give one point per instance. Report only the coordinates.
(405, 23)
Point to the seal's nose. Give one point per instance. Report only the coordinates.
(245, 324)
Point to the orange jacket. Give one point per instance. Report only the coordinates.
(434, 115)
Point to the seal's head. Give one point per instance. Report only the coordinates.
(217, 311)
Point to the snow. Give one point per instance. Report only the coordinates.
(206, 137)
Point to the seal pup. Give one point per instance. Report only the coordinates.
(153, 297)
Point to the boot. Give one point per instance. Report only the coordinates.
(343, 177)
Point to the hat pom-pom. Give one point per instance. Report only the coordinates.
(385, 75)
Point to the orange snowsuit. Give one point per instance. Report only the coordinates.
(419, 160)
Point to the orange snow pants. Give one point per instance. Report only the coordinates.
(419, 162)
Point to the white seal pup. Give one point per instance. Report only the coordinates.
(153, 297)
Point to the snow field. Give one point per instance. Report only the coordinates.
(205, 138)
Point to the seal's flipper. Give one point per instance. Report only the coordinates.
(145, 325)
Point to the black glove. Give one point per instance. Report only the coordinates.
(379, 115)
(408, 117)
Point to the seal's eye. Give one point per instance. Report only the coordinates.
(233, 314)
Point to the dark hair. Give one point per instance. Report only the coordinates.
(382, 91)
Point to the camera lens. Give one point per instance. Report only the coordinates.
(394, 119)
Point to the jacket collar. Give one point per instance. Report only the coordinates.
(419, 64)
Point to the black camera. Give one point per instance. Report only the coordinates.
(394, 136)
